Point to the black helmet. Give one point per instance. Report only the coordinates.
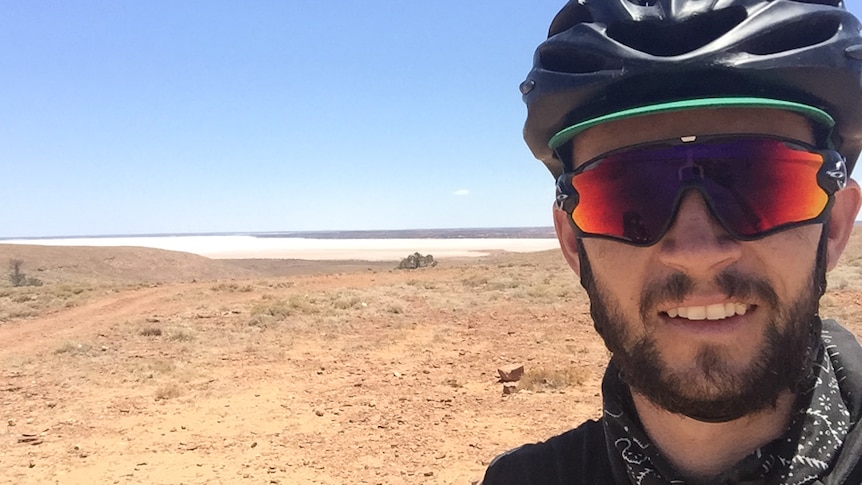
(607, 56)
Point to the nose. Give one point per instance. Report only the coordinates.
(696, 243)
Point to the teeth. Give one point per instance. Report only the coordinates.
(696, 313)
(717, 311)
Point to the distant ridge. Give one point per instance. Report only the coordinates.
(464, 233)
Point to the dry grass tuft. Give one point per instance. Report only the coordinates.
(75, 348)
(151, 332)
(394, 308)
(168, 391)
(181, 335)
(346, 302)
(231, 287)
(475, 281)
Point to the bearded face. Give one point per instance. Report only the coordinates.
(716, 384)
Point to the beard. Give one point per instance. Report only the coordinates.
(715, 390)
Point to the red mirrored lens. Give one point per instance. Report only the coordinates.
(753, 185)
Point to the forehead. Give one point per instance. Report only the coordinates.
(662, 126)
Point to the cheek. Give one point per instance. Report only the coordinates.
(620, 270)
(788, 258)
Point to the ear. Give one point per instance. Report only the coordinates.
(567, 238)
(841, 221)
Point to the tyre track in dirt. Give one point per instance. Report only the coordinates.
(35, 336)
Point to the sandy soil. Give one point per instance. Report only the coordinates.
(260, 372)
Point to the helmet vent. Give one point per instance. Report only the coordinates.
(664, 38)
(575, 61)
(804, 32)
(572, 14)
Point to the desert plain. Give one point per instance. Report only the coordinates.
(146, 366)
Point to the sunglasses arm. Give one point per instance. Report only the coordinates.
(567, 197)
(832, 176)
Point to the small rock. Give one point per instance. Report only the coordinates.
(318, 412)
(510, 388)
(511, 373)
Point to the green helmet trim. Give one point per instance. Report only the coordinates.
(816, 115)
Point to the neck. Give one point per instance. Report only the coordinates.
(703, 450)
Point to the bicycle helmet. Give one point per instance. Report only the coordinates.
(605, 59)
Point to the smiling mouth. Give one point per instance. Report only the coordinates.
(718, 311)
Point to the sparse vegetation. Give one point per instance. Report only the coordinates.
(181, 335)
(151, 332)
(168, 391)
(416, 261)
(542, 379)
(232, 287)
(395, 308)
(346, 302)
(17, 276)
(475, 281)
(382, 355)
(75, 348)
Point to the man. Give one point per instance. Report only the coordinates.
(702, 151)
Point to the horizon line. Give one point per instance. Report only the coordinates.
(288, 233)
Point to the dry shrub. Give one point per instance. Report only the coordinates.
(181, 335)
(395, 308)
(277, 310)
(168, 391)
(342, 302)
(75, 348)
(160, 366)
(427, 285)
(225, 287)
(151, 332)
(261, 321)
(475, 281)
(270, 310)
(303, 304)
(232, 287)
(542, 379)
(281, 309)
(504, 284)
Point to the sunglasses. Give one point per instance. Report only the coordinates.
(753, 185)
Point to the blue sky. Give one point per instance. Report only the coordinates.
(215, 116)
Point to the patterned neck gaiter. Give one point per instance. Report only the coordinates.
(801, 456)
